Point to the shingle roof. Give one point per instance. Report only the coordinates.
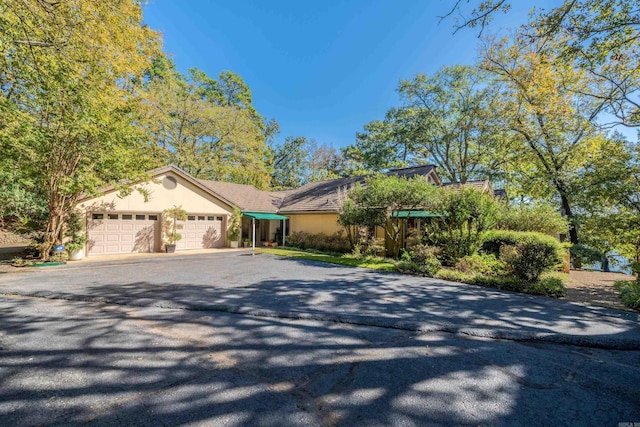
(245, 197)
(482, 185)
(319, 196)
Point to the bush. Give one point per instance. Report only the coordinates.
(453, 276)
(421, 253)
(486, 264)
(430, 268)
(542, 218)
(582, 254)
(322, 242)
(550, 284)
(372, 247)
(526, 255)
(629, 292)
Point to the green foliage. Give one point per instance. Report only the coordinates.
(629, 292)
(540, 217)
(289, 163)
(447, 119)
(465, 214)
(373, 205)
(454, 276)
(234, 226)
(485, 264)
(171, 216)
(75, 232)
(525, 254)
(582, 254)
(421, 253)
(207, 127)
(333, 243)
(370, 247)
(550, 284)
(428, 268)
(70, 103)
(376, 263)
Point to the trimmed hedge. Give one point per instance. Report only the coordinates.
(526, 254)
(322, 242)
(549, 284)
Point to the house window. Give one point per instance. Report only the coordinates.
(112, 216)
(218, 218)
(201, 218)
(153, 217)
(127, 216)
(97, 216)
(191, 218)
(211, 218)
(139, 217)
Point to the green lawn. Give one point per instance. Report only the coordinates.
(376, 263)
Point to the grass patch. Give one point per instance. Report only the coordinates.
(372, 263)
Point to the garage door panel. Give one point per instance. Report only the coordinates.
(113, 236)
(201, 233)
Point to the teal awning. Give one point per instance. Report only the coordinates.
(264, 215)
(414, 214)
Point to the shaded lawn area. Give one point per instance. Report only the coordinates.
(373, 263)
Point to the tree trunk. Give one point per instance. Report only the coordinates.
(573, 232)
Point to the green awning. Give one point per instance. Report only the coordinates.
(264, 215)
(414, 214)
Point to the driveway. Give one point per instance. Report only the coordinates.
(259, 340)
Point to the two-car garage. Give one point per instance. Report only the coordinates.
(124, 232)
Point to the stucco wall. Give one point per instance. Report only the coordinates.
(162, 196)
(314, 223)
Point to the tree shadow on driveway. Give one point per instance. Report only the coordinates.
(68, 363)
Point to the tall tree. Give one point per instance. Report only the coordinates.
(69, 99)
(208, 129)
(382, 145)
(551, 116)
(600, 37)
(454, 122)
(289, 163)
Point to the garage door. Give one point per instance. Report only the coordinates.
(201, 231)
(117, 233)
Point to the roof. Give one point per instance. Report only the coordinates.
(324, 196)
(482, 185)
(245, 197)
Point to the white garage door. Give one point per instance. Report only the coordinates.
(201, 231)
(117, 233)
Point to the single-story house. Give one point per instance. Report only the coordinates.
(133, 223)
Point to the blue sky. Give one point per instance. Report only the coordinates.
(322, 69)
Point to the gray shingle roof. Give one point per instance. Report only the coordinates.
(319, 196)
(245, 197)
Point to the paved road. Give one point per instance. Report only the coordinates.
(282, 287)
(147, 354)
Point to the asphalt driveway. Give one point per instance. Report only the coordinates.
(260, 340)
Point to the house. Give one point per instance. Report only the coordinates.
(133, 223)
